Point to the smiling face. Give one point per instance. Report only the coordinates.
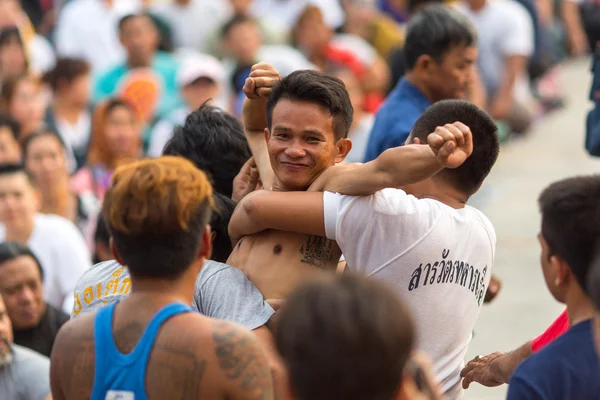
(302, 143)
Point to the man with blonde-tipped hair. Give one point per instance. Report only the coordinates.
(151, 345)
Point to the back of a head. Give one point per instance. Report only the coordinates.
(157, 211)
(571, 222)
(593, 279)
(214, 141)
(318, 88)
(434, 31)
(219, 224)
(486, 145)
(338, 341)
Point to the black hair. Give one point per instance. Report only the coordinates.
(234, 21)
(571, 222)
(434, 31)
(593, 278)
(361, 350)
(486, 145)
(10, 123)
(128, 17)
(12, 250)
(214, 141)
(11, 169)
(101, 235)
(318, 88)
(416, 5)
(8, 33)
(219, 224)
(66, 70)
(26, 144)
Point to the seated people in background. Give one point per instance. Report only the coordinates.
(338, 341)
(201, 80)
(569, 367)
(147, 77)
(440, 52)
(164, 243)
(55, 241)
(35, 323)
(506, 42)
(45, 158)
(69, 115)
(437, 251)
(24, 374)
(214, 141)
(10, 150)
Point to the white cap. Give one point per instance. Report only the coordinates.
(200, 66)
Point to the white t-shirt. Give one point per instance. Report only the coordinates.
(505, 29)
(88, 29)
(287, 12)
(64, 256)
(438, 259)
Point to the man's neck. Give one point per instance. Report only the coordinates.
(20, 233)
(439, 191)
(67, 110)
(162, 292)
(140, 63)
(412, 78)
(579, 306)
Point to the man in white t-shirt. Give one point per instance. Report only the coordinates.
(506, 42)
(55, 241)
(424, 240)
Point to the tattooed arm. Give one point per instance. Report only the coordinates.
(242, 362)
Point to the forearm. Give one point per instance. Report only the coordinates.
(506, 364)
(242, 224)
(394, 168)
(570, 11)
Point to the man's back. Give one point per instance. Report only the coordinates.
(190, 357)
(568, 368)
(276, 262)
(437, 258)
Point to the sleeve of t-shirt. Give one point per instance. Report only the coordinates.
(35, 377)
(556, 329)
(519, 38)
(227, 294)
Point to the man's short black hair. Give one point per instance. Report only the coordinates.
(344, 337)
(12, 250)
(434, 31)
(214, 141)
(124, 19)
(571, 221)
(234, 21)
(416, 5)
(486, 145)
(318, 88)
(219, 224)
(11, 169)
(6, 121)
(593, 278)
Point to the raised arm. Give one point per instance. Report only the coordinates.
(448, 147)
(257, 89)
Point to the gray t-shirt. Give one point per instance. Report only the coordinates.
(27, 377)
(222, 292)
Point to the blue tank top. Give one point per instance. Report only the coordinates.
(123, 376)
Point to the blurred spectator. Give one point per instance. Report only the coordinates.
(287, 12)
(183, 16)
(397, 9)
(42, 13)
(39, 51)
(35, 323)
(326, 50)
(148, 77)
(364, 20)
(214, 141)
(13, 58)
(22, 99)
(506, 42)
(363, 120)
(116, 138)
(45, 159)
(55, 241)
(440, 53)
(201, 79)
(10, 150)
(69, 114)
(244, 47)
(24, 374)
(582, 20)
(87, 29)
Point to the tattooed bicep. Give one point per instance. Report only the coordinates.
(242, 362)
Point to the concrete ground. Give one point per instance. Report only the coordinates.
(553, 151)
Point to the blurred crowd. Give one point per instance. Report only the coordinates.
(91, 86)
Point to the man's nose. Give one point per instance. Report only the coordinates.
(295, 150)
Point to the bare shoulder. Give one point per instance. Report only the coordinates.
(242, 361)
(75, 330)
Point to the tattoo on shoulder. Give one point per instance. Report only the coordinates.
(317, 251)
(241, 361)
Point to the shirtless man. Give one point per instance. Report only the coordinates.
(296, 129)
(150, 345)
